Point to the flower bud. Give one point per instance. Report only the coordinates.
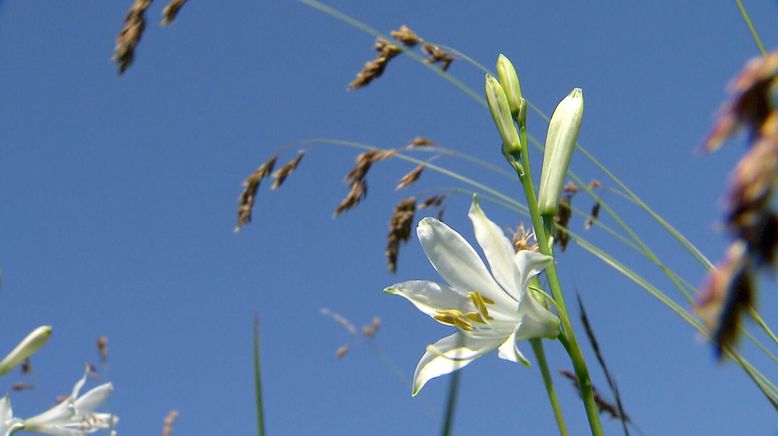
(560, 142)
(26, 348)
(501, 113)
(509, 81)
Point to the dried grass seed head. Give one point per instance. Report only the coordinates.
(406, 36)
(129, 37)
(399, 230)
(410, 178)
(285, 171)
(356, 178)
(250, 187)
(728, 291)
(420, 141)
(437, 55)
(374, 68)
(753, 91)
(170, 12)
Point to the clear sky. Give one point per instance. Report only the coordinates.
(119, 196)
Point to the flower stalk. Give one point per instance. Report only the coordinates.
(521, 163)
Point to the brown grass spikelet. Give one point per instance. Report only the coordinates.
(420, 141)
(370, 330)
(437, 55)
(373, 69)
(167, 423)
(570, 188)
(250, 187)
(410, 178)
(341, 352)
(593, 216)
(432, 201)
(171, 11)
(751, 219)
(750, 104)
(129, 37)
(340, 319)
(26, 366)
(406, 36)
(102, 348)
(399, 229)
(282, 173)
(20, 386)
(356, 178)
(726, 293)
(602, 405)
(562, 218)
(524, 239)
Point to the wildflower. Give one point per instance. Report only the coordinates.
(490, 310)
(29, 345)
(75, 415)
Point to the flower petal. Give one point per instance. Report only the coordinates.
(93, 399)
(457, 262)
(509, 351)
(530, 264)
(429, 297)
(497, 249)
(536, 320)
(450, 354)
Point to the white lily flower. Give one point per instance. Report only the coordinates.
(490, 310)
(75, 415)
(8, 424)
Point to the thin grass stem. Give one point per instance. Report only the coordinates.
(751, 27)
(258, 381)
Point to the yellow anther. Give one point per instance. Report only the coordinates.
(480, 302)
(475, 317)
(454, 318)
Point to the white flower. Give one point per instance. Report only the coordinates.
(75, 415)
(8, 424)
(490, 310)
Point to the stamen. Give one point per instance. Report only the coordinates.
(480, 302)
(453, 317)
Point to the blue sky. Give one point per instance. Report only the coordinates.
(119, 199)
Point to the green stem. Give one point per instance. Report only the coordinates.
(758, 318)
(540, 355)
(258, 382)
(568, 335)
(451, 403)
(751, 27)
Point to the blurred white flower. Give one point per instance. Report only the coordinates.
(490, 310)
(73, 416)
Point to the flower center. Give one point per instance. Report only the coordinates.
(465, 320)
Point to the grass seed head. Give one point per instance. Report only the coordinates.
(171, 11)
(399, 230)
(410, 178)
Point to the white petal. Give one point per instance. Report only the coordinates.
(509, 351)
(429, 297)
(456, 261)
(530, 264)
(450, 354)
(497, 249)
(536, 320)
(91, 400)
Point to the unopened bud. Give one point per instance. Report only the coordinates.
(26, 348)
(501, 113)
(509, 81)
(560, 143)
